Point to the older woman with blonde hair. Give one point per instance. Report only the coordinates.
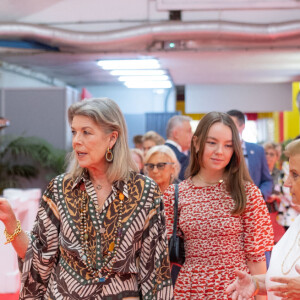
(273, 152)
(99, 232)
(162, 166)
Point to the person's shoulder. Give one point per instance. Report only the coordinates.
(136, 178)
(59, 179)
(56, 184)
(172, 146)
(251, 189)
(254, 146)
(249, 185)
(143, 182)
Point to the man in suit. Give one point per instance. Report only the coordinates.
(255, 158)
(179, 136)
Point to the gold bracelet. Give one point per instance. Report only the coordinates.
(255, 282)
(11, 237)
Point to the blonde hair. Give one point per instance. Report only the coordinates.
(153, 136)
(273, 146)
(167, 151)
(292, 148)
(107, 114)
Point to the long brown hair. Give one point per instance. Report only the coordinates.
(236, 171)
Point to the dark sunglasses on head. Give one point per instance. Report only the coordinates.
(159, 166)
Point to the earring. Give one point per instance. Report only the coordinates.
(109, 155)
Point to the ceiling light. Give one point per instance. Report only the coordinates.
(138, 72)
(171, 45)
(149, 84)
(132, 64)
(144, 78)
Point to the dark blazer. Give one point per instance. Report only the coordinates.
(182, 158)
(258, 168)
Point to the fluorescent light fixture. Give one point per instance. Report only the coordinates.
(137, 72)
(144, 78)
(148, 84)
(132, 64)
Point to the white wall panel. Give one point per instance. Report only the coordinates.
(224, 4)
(135, 101)
(244, 97)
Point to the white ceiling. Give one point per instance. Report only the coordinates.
(214, 46)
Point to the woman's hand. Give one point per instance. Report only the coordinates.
(289, 287)
(242, 288)
(273, 198)
(7, 215)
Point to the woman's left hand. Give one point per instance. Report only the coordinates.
(289, 287)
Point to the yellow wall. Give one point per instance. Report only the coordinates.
(291, 118)
(180, 106)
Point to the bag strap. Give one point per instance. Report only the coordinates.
(175, 211)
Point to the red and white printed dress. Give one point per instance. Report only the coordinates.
(216, 243)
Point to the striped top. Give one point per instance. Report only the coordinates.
(54, 267)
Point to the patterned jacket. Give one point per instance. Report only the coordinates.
(54, 264)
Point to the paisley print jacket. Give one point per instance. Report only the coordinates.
(53, 267)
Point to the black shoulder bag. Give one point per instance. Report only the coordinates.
(176, 244)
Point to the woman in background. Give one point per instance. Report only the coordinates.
(273, 152)
(150, 139)
(162, 166)
(138, 157)
(222, 214)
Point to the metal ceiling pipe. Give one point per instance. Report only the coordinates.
(142, 36)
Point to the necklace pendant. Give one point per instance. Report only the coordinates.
(98, 187)
(102, 279)
(111, 246)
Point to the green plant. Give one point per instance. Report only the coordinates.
(24, 157)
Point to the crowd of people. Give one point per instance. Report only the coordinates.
(102, 228)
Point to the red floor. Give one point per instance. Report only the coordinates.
(9, 296)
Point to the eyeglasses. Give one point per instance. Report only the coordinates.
(270, 154)
(160, 166)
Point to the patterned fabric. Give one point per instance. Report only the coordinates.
(286, 211)
(216, 242)
(53, 266)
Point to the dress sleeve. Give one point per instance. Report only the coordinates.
(43, 249)
(258, 230)
(154, 277)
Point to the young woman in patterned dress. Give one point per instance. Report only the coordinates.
(100, 229)
(222, 214)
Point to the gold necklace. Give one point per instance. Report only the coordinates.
(209, 183)
(282, 265)
(97, 186)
